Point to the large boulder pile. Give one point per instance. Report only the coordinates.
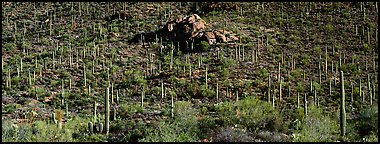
(193, 28)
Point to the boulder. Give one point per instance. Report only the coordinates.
(220, 37)
(192, 28)
(210, 37)
(186, 28)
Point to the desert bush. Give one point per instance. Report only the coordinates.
(202, 46)
(206, 126)
(126, 110)
(232, 135)
(206, 91)
(251, 113)
(368, 121)
(183, 128)
(317, 127)
(42, 131)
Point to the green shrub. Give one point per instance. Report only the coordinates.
(10, 108)
(368, 121)
(226, 113)
(202, 46)
(184, 127)
(206, 126)
(207, 91)
(316, 127)
(263, 73)
(126, 110)
(251, 113)
(41, 131)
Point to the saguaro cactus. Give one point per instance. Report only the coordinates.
(63, 92)
(117, 96)
(53, 119)
(112, 101)
(142, 97)
(100, 127)
(217, 91)
(369, 89)
(162, 89)
(107, 110)
(95, 107)
(90, 127)
(279, 89)
(67, 110)
(305, 105)
(315, 96)
(330, 87)
(298, 99)
(84, 75)
(206, 77)
(342, 107)
(172, 106)
(269, 88)
(360, 90)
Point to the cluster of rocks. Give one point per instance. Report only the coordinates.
(194, 28)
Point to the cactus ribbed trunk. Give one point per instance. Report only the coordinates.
(280, 91)
(142, 97)
(107, 110)
(273, 97)
(90, 127)
(112, 93)
(369, 89)
(360, 90)
(352, 93)
(342, 108)
(315, 96)
(269, 88)
(117, 96)
(237, 96)
(95, 112)
(84, 75)
(217, 91)
(67, 110)
(298, 100)
(172, 106)
(162, 89)
(330, 87)
(305, 105)
(206, 78)
(63, 90)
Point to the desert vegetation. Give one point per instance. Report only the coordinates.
(107, 72)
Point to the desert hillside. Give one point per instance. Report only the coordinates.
(187, 71)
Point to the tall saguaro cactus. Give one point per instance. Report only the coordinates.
(342, 107)
(107, 110)
(217, 91)
(269, 88)
(305, 104)
(162, 89)
(206, 78)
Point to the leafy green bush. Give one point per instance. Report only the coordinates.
(202, 46)
(263, 73)
(368, 121)
(184, 127)
(125, 110)
(206, 126)
(251, 113)
(207, 91)
(316, 127)
(41, 131)
(10, 108)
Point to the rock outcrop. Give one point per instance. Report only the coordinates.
(193, 28)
